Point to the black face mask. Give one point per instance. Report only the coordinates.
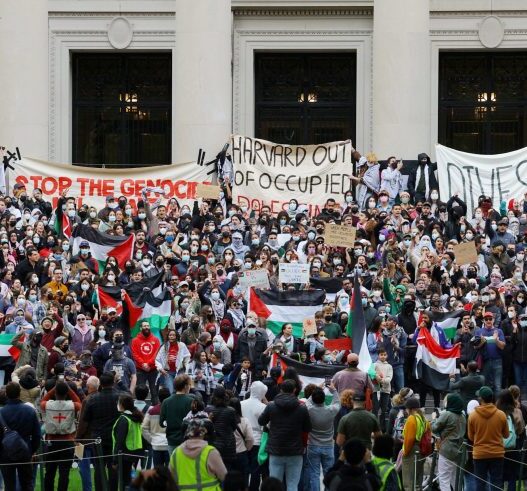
(194, 324)
(160, 262)
(219, 272)
(327, 318)
(83, 214)
(118, 339)
(225, 235)
(274, 261)
(511, 253)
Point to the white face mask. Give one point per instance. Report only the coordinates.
(111, 277)
(93, 214)
(434, 196)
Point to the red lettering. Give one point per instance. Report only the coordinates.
(83, 181)
(107, 187)
(64, 183)
(95, 187)
(49, 185)
(139, 186)
(127, 187)
(181, 190)
(36, 181)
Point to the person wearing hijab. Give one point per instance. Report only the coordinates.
(450, 427)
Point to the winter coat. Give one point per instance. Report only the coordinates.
(288, 420)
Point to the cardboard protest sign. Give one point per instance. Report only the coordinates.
(293, 273)
(339, 235)
(267, 173)
(466, 253)
(309, 327)
(257, 278)
(207, 191)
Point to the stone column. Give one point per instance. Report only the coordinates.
(24, 94)
(401, 78)
(202, 78)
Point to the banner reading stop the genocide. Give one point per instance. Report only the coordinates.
(92, 185)
(271, 174)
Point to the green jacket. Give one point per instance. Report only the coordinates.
(25, 356)
(450, 427)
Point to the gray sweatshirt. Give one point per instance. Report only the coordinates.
(322, 417)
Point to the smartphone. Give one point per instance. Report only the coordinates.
(327, 380)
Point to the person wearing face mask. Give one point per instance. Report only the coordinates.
(20, 323)
(219, 346)
(238, 246)
(368, 179)
(508, 325)
(391, 179)
(421, 179)
(332, 329)
(190, 335)
(57, 355)
(103, 353)
(519, 352)
(81, 333)
(252, 344)
(144, 350)
(32, 353)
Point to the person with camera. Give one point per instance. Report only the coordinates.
(60, 407)
(123, 368)
(465, 337)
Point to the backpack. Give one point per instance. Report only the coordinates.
(59, 417)
(426, 447)
(14, 447)
(510, 442)
(398, 426)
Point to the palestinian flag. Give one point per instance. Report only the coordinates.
(62, 224)
(308, 374)
(147, 299)
(8, 353)
(280, 307)
(434, 364)
(330, 285)
(103, 245)
(356, 330)
(448, 321)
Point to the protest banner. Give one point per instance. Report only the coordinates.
(339, 235)
(499, 176)
(309, 326)
(271, 174)
(207, 191)
(257, 278)
(93, 185)
(293, 273)
(466, 253)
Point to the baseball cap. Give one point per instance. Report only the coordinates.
(84, 243)
(112, 309)
(488, 314)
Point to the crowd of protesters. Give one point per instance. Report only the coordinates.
(201, 406)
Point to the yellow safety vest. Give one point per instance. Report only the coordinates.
(134, 440)
(192, 474)
(384, 467)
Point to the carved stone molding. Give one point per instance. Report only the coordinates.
(111, 14)
(284, 12)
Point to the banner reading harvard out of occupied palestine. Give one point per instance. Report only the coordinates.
(271, 174)
(502, 177)
(92, 185)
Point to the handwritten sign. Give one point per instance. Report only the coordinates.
(339, 235)
(465, 253)
(256, 279)
(207, 191)
(309, 326)
(293, 273)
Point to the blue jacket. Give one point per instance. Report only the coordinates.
(23, 419)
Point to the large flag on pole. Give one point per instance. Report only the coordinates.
(356, 329)
(280, 307)
(103, 245)
(8, 353)
(435, 364)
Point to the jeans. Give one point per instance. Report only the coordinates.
(317, 456)
(398, 378)
(493, 371)
(290, 465)
(85, 468)
(160, 457)
(149, 379)
(25, 477)
(168, 381)
(520, 376)
(381, 400)
(242, 466)
(62, 450)
(488, 470)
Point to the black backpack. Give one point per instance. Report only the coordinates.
(13, 447)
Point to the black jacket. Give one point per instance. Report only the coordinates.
(224, 420)
(519, 342)
(432, 181)
(468, 386)
(260, 346)
(289, 419)
(343, 476)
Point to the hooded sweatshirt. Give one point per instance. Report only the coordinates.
(253, 407)
(487, 427)
(288, 420)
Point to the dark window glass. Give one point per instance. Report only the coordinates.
(483, 101)
(122, 109)
(305, 98)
